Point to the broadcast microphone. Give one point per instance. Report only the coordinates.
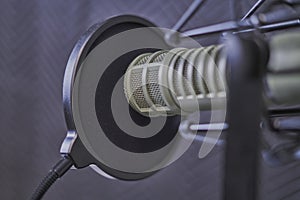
(168, 81)
(185, 80)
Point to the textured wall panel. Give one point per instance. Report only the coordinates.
(36, 38)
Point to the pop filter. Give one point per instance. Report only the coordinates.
(103, 129)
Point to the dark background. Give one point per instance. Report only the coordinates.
(36, 38)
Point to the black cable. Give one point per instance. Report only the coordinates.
(56, 172)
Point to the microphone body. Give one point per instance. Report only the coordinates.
(182, 81)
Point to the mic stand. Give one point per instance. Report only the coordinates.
(246, 58)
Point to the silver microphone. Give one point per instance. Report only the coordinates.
(179, 80)
(182, 81)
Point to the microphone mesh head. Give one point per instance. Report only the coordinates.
(141, 86)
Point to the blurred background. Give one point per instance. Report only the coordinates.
(36, 37)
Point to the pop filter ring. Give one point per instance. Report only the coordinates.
(72, 145)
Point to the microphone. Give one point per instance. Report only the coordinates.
(178, 80)
(182, 81)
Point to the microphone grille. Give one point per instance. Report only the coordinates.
(141, 86)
